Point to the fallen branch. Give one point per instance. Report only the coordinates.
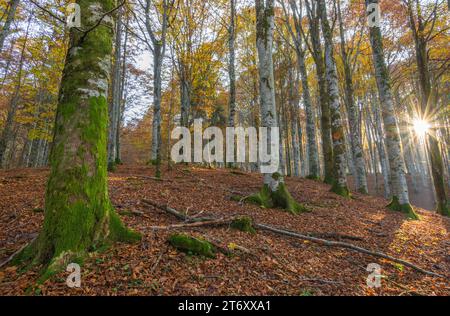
(177, 214)
(330, 243)
(148, 178)
(335, 236)
(195, 224)
(320, 241)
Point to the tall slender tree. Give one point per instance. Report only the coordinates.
(114, 108)
(353, 112)
(422, 30)
(318, 55)
(398, 184)
(6, 28)
(156, 38)
(8, 130)
(337, 129)
(274, 192)
(296, 34)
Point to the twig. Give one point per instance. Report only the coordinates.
(320, 241)
(330, 243)
(157, 261)
(195, 224)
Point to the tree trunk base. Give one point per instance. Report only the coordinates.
(280, 198)
(313, 177)
(444, 210)
(55, 252)
(340, 190)
(395, 205)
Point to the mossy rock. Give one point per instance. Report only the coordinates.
(244, 224)
(407, 209)
(192, 245)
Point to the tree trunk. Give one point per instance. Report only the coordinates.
(12, 7)
(78, 213)
(428, 108)
(156, 125)
(231, 64)
(353, 117)
(399, 187)
(115, 92)
(327, 143)
(7, 133)
(337, 130)
(274, 192)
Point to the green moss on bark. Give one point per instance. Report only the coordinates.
(340, 190)
(280, 198)
(244, 224)
(407, 209)
(328, 179)
(112, 166)
(262, 198)
(192, 245)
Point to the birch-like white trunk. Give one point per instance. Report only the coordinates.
(398, 183)
(264, 45)
(337, 130)
(115, 100)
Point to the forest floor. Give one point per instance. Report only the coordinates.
(278, 265)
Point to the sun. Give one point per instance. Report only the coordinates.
(421, 127)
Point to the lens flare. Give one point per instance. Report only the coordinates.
(421, 127)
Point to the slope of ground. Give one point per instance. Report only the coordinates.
(279, 265)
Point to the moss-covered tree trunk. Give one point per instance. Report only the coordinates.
(337, 129)
(78, 213)
(399, 187)
(274, 192)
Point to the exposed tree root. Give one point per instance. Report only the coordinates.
(10, 258)
(320, 241)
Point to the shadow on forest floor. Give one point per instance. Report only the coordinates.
(280, 265)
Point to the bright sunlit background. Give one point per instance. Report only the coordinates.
(421, 127)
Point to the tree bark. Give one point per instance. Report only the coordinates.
(399, 187)
(78, 213)
(12, 7)
(428, 105)
(114, 108)
(317, 52)
(353, 117)
(274, 192)
(337, 129)
(7, 133)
